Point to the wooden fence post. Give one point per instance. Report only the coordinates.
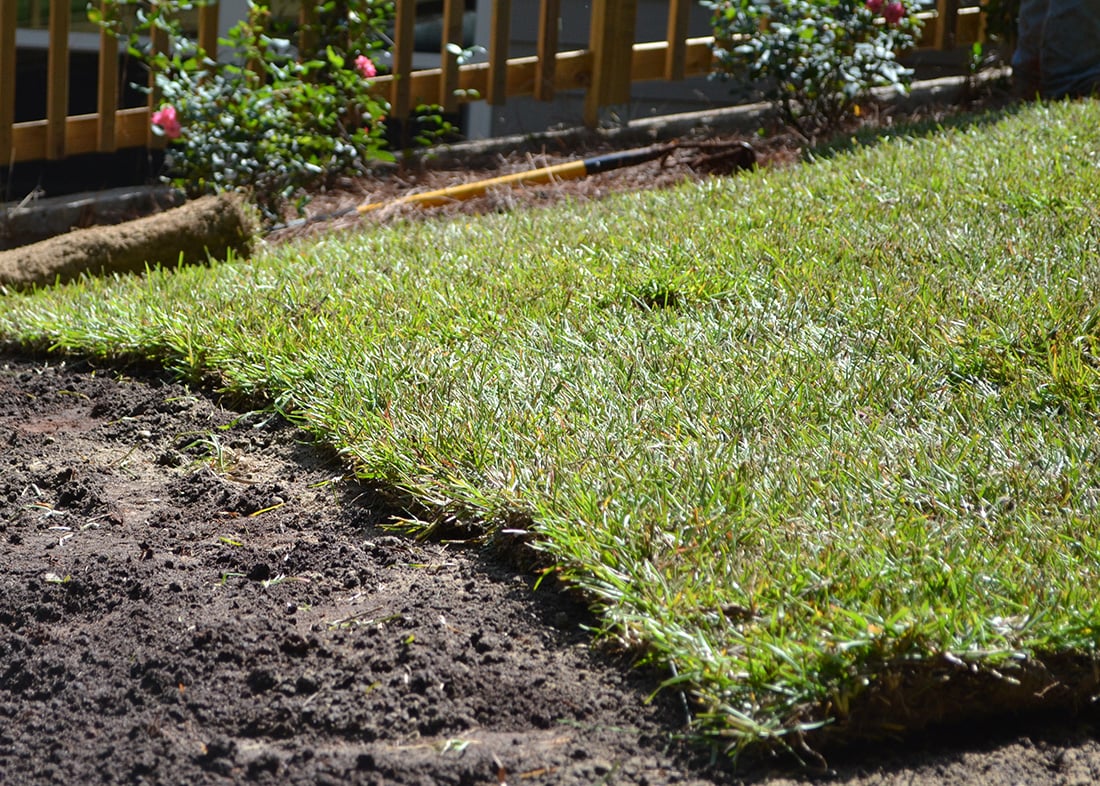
(57, 79)
(549, 19)
(7, 79)
(947, 18)
(678, 17)
(107, 98)
(307, 33)
(452, 36)
(612, 46)
(209, 17)
(499, 35)
(404, 32)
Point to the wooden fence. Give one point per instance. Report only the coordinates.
(605, 70)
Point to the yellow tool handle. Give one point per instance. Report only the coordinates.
(570, 170)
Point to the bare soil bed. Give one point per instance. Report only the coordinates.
(194, 594)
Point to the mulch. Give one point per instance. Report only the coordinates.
(712, 147)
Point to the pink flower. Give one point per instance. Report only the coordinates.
(365, 67)
(165, 119)
(874, 6)
(893, 12)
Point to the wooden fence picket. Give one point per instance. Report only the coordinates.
(7, 79)
(57, 79)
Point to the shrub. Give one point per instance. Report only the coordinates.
(814, 59)
(266, 120)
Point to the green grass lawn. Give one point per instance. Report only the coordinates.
(806, 436)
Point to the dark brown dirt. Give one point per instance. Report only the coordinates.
(701, 153)
(192, 594)
(694, 159)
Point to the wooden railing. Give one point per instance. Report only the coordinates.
(605, 70)
(59, 134)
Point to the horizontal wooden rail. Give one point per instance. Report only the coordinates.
(572, 71)
(969, 28)
(29, 140)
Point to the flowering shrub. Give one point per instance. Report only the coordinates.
(893, 13)
(814, 59)
(365, 66)
(166, 122)
(267, 120)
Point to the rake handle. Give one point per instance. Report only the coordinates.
(570, 170)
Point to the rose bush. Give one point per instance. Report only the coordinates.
(166, 122)
(365, 66)
(265, 119)
(814, 59)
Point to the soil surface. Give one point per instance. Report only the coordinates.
(190, 593)
(691, 158)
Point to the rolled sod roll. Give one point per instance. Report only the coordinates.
(212, 227)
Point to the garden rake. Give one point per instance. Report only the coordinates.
(735, 155)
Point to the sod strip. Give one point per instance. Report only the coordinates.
(810, 438)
